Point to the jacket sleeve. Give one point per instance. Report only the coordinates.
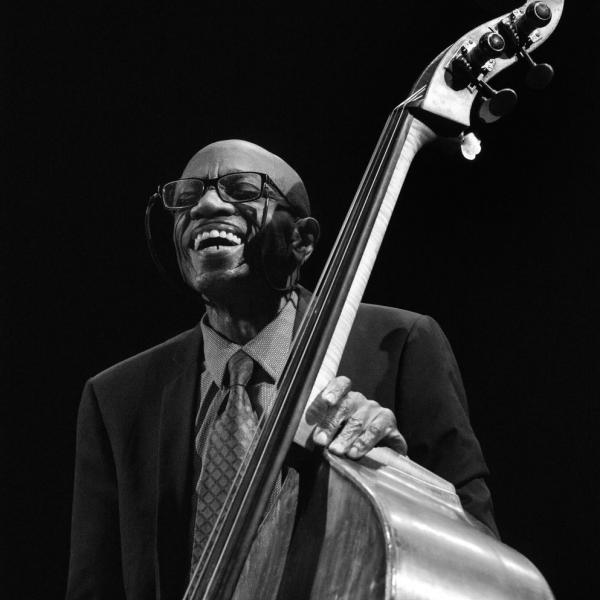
(95, 562)
(433, 416)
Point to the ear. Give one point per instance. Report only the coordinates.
(304, 238)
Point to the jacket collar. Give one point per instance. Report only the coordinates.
(269, 348)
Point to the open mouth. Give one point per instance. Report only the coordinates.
(215, 240)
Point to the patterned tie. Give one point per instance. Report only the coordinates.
(227, 443)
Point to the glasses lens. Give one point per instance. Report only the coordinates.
(183, 193)
(240, 187)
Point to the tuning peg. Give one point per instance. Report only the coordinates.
(490, 45)
(497, 103)
(518, 29)
(539, 75)
(473, 62)
(536, 15)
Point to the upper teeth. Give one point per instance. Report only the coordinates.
(214, 233)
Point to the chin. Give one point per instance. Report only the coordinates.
(216, 274)
(219, 283)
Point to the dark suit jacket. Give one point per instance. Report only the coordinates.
(133, 484)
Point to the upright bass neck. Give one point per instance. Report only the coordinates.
(344, 280)
(449, 91)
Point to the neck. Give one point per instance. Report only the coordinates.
(240, 322)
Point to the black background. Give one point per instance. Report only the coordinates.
(104, 102)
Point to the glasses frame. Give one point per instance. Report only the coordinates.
(213, 182)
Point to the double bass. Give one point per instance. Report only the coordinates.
(381, 527)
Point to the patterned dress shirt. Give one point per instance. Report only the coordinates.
(269, 349)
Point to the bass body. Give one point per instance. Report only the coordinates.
(379, 528)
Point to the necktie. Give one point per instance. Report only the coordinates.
(227, 444)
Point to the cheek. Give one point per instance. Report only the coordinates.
(251, 213)
(179, 227)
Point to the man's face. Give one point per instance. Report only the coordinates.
(211, 237)
(214, 238)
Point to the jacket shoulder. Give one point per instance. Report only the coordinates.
(157, 361)
(386, 316)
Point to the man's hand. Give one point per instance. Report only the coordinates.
(363, 422)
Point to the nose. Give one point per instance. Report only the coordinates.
(211, 205)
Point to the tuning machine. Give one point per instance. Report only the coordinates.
(472, 63)
(520, 29)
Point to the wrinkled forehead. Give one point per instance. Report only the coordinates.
(230, 156)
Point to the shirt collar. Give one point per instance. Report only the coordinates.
(270, 348)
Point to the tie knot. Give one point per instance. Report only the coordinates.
(240, 368)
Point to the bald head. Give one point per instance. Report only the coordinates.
(229, 156)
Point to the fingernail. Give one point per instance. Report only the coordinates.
(353, 452)
(321, 438)
(336, 448)
(327, 396)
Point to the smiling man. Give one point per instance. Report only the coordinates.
(152, 429)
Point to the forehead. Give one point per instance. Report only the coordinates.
(219, 159)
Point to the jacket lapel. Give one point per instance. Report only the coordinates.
(175, 468)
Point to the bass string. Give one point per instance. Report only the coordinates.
(375, 163)
(361, 203)
(202, 563)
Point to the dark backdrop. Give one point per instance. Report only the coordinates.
(104, 102)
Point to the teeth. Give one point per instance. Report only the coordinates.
(213, 233)
(231, 236)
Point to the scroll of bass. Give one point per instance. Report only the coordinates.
(380, 527)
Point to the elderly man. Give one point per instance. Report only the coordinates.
(150, 427)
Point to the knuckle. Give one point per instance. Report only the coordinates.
(374, 430)
(360, 444)
(333, 392)
(354, 423)
(388, 415)
(344, 408)
(352, 428)
(356, 399)
(328, 423)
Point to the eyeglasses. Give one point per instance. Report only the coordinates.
(239, 187)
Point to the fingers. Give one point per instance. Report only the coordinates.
(324, 405)
(365, 430)
(337, 414)
(365, 422)
(350, 432)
